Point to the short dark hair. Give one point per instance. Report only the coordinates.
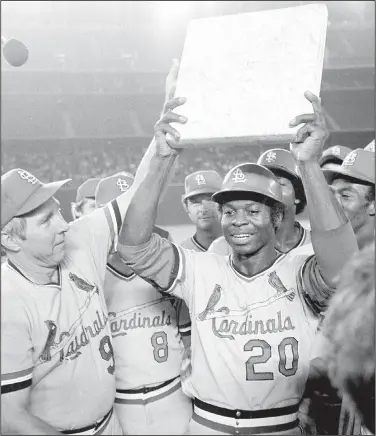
(370, 196)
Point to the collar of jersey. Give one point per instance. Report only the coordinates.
(17, 270)
(119, 274)
(198, 245)
(249, 279)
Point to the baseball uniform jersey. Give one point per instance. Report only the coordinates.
(251, 336)
(192, 244)
(220, 245)
(56, 338)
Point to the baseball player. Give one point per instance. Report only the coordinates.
(290, 233)
(85, 198)
(254, 314)
(197, 202)
(146, 330)
(353, 184)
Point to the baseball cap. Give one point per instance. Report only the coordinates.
(334, 155)
(370, 146)
(358, 164)
(21, 192)
(111, 187)
(250, 177)
(279, 159)
(87, 189)
(202, 182)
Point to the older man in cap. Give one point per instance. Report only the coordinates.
(57, 357)
(197, 202)
(85, 198)
(249, 308)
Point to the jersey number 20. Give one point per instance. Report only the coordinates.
(251, 374)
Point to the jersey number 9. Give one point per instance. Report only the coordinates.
(107, 352)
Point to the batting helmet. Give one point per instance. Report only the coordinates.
(249, 178)
(281, 161)
(334, 155)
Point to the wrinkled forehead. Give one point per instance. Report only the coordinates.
(50, 205)
(200, 197)
(243, 203)
(341, 183)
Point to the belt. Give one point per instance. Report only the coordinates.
(99, 425)
(238, 421)
(147, 394)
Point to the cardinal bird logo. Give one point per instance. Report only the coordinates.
(276, 283)
(213, 300)
(81, 284)
(52, 330)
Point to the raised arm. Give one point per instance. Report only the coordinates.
(333, 239)
(142, 210)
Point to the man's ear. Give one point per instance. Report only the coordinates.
(371, 208)
(9, 242)
(184, 203)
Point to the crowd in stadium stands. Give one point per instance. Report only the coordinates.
(82, 163)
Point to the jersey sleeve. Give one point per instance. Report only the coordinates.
(168, 267)
(183, 318)
(16, 345)
(100, 229)
(312, 286)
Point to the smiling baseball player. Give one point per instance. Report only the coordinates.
(147, 330)
(254, 314)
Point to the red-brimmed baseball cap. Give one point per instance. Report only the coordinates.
(111, 187)
(250, 177)
(334, 155)
(370, 146)
(279, 159)
(358, 164)
(21, 192)
(87, 189)
(202, 182)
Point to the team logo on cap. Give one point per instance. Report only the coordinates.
(25, 175)
(122, 184)
(271, 157)
(350, 159)
(200, 179)
(336, 151)
(238, 176)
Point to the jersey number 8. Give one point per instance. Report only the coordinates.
(251, 374)
(160, 346)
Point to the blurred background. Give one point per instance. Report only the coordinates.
(85, 103)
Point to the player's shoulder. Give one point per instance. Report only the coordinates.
(219, 246)
(294, 259)
(205, 260)
(15, 292)
(161, 232)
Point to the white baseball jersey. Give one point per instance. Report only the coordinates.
(251, 336)
(56, 338)
(192, 244)
(220, 245)
(145, 331)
